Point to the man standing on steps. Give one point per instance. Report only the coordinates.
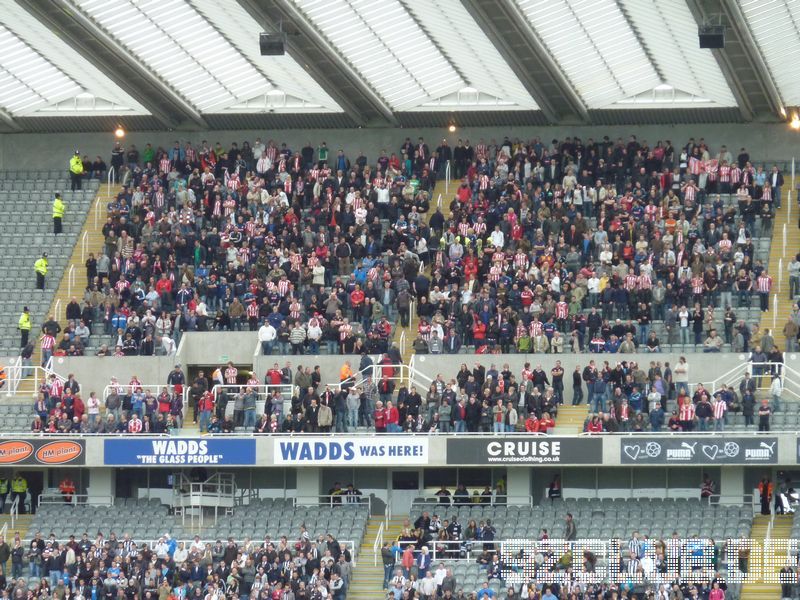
(40, 266)
(388, 556)
(59, 208)
(24, 326)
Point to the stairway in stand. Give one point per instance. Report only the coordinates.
(22, 526)
(570, 418)
(92, 228)
(778, 259)
(411, 330)
(367, 579)
(781, 530)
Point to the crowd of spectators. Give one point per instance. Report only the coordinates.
(314, 248)
(120, 568)
(412, 568)
(622, 396)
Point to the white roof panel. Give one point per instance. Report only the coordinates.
(669, 32)
(464, 43)
(775, 25)
(182, 47)
(27, 80)
(595, 47)
(283, 71)
(381, 40)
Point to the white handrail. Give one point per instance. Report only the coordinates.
(447, 178)
(112, 176)
(780, 270)
(128, 388)
(774, 311)
(97, 204)
(264, 391)
(439, 202)
(14, 511)
(784, 239)
(70, 280)
(13, 376)
(84, 246)
(56, 497)
(57, 309)
(377, 545)
(402, 342)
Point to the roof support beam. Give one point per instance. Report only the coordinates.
(133, 76)
(8, 122)
(740, 60)
(322, 61)
(520, 46)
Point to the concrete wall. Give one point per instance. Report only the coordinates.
(212, 348)
(94, 373)
(52, 151)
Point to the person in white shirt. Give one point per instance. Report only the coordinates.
(181, 554)
(497, 237)
(162, 549)
(168, 345)
(683, 322)
(440, 574)
(267, 335)
(427, 586)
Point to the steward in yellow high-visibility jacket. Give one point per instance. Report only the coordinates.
(76, 171)
(59, 208)
(40, 266)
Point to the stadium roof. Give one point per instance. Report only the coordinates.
(196, 63)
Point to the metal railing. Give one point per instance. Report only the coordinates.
(402, 342)
(97, 207)
(344, 500)
(70, 280)
(423, 502)
(56, 497)
(447, 178)
(14, 374)
(111, 177)
(198, 495)
(376, 547)
(284, 390)
(130, 388)
(402, 374)
(762, 373)
(187, 543)
(57, 310)
(451, 550)
(13, 512)
(84, 246)
(39, 374)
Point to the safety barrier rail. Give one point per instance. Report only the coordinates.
(284, 390)
(56, 497)
(376, 547)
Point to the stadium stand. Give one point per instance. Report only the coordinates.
(25, 235)
(194, 228)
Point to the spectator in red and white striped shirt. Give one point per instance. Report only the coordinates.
(135, 424)
(720, 409)
(48, 343)
(231, 373)
(763, 287)
(686, 414)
